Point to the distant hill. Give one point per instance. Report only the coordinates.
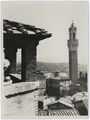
(61, 67)
(52, 67)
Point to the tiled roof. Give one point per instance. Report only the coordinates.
(64, 112)
(85, 101)
(51, 101)
(20, 28)
(80, 96)
(66, 102)
(42, 113)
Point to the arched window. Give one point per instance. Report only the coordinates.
(70, 35)
(73, 35)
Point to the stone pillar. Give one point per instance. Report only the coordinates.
(29, 63)
(10, 54)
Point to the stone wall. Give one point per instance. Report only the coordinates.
(21, 100)
(29, 64)
(73, 66)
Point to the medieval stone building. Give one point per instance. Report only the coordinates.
(21, 98)
(73, 56)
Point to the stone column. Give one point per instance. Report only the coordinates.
(29, 63)
(10, 54)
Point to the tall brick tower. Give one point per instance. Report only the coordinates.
(73, 57)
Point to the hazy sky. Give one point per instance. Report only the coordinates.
(56, 18)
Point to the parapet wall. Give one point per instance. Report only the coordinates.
(21, 99)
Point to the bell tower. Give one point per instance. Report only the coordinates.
(72, 44)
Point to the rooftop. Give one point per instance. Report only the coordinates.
(64, 112)
(66, 102)
(16, 28)
(80, 96)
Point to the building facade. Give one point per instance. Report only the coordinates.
(21, 96)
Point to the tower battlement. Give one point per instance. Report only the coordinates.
(72, 44)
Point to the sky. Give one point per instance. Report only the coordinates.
(56, 18)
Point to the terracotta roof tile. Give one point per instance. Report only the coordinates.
(64, 112)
